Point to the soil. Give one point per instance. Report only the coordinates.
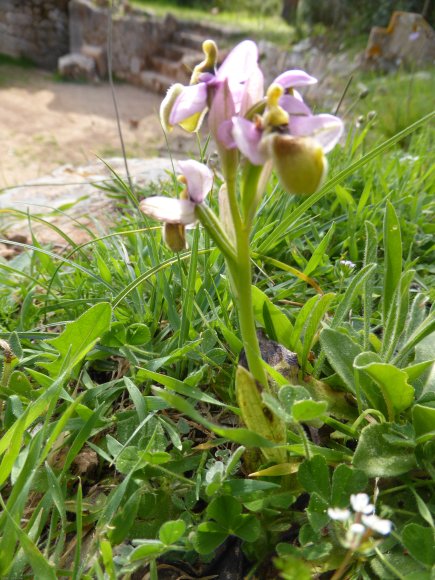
(45, 123)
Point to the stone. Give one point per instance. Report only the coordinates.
(136, 65)
(98, 54)
(74, 188)
(77, 67)
(408, 39)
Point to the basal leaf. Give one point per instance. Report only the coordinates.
(378, 457)
(420, 543)
(79, 337)
(313, 475)
(393, 257)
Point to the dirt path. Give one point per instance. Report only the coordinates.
(45, 123)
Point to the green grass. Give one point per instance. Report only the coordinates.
(244, 24)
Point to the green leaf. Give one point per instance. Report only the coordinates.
(257, 417)
(148, 549)
(317, 512)
(124, 520)
(393, 382)
(303, 411)
(248, 529)
(243, 488)
(282, 326)
(208, 537)
(172, 531)
(313, 475)
(378, 457)
(79, 337)
(340, 351)
(242, 436)
(138, 334)
(370, 257)
(350, 295)
(393, 257)
(292, 568)
(226, 511)
(423, 419)
(320, 252)
(346, 481)
(397, 315)
(420, 543)
(179, 387)
(39, 565)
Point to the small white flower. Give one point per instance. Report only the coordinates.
(361, 503)
(347, 264)
(338, 514)
(377, 524)
(354, 536)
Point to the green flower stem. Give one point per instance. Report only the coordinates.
(211, 223)
(242, 279)
(241, 275)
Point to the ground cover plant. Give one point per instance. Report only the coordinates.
(148, 429)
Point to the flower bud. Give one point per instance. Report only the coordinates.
(299, 161)
(174, 237)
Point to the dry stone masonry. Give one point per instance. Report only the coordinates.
(35, 29)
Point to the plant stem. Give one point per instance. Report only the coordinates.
(242, 279)
(342, 569)
(305, 441)
(241, 275)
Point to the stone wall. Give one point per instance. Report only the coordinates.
(35, 29)
(136, 35)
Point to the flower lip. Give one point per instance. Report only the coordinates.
(169, 210)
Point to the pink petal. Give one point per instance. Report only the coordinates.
(225, 135)
(192, 100)
(247, 138)
(169, 210)
(294, 106)
(222, 110)
(295, 78)
(326, 129)
(199, 179)
(240, 63)
(253, 91)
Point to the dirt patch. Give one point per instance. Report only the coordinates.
(45, 123)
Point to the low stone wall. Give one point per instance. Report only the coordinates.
(136, 36)
(35, 29)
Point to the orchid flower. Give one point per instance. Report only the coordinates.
(290, 135)
(187, 105)
(176, 214)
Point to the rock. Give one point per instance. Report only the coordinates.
(77, 67)
(408, 39)
(99, 56)
(69, 199)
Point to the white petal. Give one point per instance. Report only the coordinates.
(378, 525)
(361, 503)
(338, 514)
(169, 210)
(199, 179)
